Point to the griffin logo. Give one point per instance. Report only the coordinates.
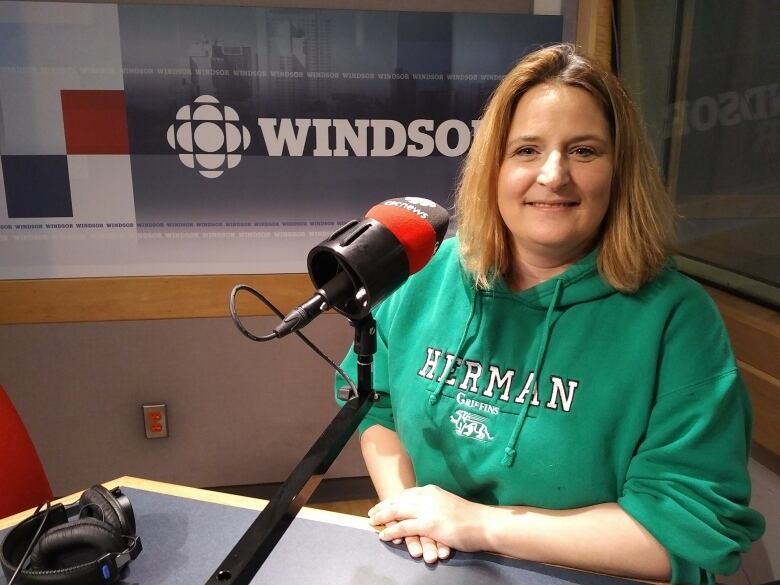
(471, 426)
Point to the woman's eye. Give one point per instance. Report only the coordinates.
(584, 152)
(526, 151)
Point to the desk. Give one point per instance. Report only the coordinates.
(187, 532)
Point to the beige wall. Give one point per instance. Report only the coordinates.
(240, 412)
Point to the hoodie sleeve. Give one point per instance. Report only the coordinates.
(381, 411)
(687, 483)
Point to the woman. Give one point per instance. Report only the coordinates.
(629, 454)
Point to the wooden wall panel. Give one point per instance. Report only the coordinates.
(754, 331)
(755, 334)
(121, 299)
(765, 393)
(594, 29)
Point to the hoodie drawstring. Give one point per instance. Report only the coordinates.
(434, 397)
(509, 451)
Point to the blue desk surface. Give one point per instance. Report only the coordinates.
(185, 540)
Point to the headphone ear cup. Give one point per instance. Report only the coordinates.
(97, 502)
(74, 544)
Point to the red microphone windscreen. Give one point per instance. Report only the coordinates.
(417, 235)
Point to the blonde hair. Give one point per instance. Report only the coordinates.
(637, 230)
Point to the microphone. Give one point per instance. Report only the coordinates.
(365, 260)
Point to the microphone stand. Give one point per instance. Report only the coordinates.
(244, 561)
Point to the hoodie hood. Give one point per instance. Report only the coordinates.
(579, 283)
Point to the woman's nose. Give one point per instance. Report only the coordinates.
(554, 172)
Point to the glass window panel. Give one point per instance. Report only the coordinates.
(705, 75)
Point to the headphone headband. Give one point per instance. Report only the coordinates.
(101, 571)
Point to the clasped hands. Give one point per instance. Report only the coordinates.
(431, 521)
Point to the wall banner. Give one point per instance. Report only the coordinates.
(151, 140)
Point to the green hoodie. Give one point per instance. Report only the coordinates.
(639, 402)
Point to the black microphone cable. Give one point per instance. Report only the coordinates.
(237, 321)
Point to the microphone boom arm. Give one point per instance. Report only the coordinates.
(243, 562)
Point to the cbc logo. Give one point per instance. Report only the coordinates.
(421, 201)
(208, 136)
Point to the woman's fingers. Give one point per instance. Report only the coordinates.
(430, 551)
(418, 546)
(443, 551)
(395, 540)
(427, 548)
(391, 510)
(415, 516)
(402, 529)
(414, 546)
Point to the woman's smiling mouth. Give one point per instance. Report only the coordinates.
(552, 204)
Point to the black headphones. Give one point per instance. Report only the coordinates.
(89, 551)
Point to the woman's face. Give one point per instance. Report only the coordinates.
(555, 177)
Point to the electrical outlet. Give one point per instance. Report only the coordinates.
(155, 421)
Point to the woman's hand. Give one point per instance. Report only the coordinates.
(431, 520)
(602, 538)
(392, 473)
(422, 546)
